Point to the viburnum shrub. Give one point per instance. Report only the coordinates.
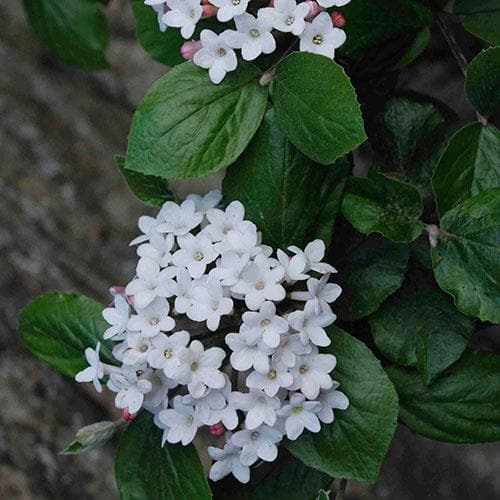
(276, 329)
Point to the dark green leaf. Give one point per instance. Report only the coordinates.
(162, 47)
(187, 127)
(480, 18)
(483, 81)
(423, 330)
(295, 481)
(152, 190)
(466, 259)
(57, 327)
(469, 165)
(383, 205)
(323, 495)
(74, 31)
(283, 191)
(92, 436)
(146, 471)
(324, 123)
(369, 272)
(354, 446)
(460, 407)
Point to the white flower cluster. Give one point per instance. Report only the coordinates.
(200, 265)
(255, 29)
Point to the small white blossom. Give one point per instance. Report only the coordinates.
(320, 37)
(300, 414)
(129, 388)
(330, 400)
(184, 14)
(287, 16)
(229, 8)
(258, 443)
(294, 266)
(268, 325)
(183, 291)
(260, 408)
(136, 350)
(290, 347)
(332, 3)
(208, 406)
(152, 319)
(182, 420)
(158, 248)
(181, 219)
(164, 353)
(148, 226)
(117, 317)
(94, 371)
(195, 253)
(271, 382)
(247, 352)
(310, 325)
(229, 268)
(227, 461)
(204, 203)
(320, 294)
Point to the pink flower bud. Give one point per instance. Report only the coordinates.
(314, 9)
(189, 49)
(338, 19)
(126, 415)
(217, 429)
(271, 3)
(209, 10)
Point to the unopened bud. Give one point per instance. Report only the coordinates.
(217, 429)
(126, 415)
(189, 49)
(338, 19)
(208, 10)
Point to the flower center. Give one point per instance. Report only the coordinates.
(198, 256)
(254, 435)
(190, 419)
(317, 39)
(303, 369)
(194, 366)
(289, 20)
(259, 285)
(154, 321)
(192, 13)
(297, 409)
(168, 353)
(235, 2)
(264, 323)
(222, 52)
(143, 348)
(254, 33)
(271, 374)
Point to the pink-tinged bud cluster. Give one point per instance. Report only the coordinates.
(189, 49)
(217, 429)
(338, 19)
(126, 415)
(314, 9)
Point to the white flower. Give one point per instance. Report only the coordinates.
(288, 17)
(294, 266)
(136, 350)
(268, 325)
(184, 14)
(208, 406)
(94, 371)
(311, 373)
(290, 347)
(158, 248)
(183, 291)
(150, 282)
(181, 219)
(215, 55)
(204, 203)
(129, 388)
(247, 352)
(199, 368)
(183, 422)
(223, 221)
(330, 400)
(209, 304)
(320, 37)
(260, 407)
(332, 3)
(164, 353)
(228, 415)
(229, 268)
(300, 414)
(257, 443)
(242, 240)
(158, 396)
(117, 317)
(313, 253)
(148, 226)
(259, 282)
(227, 461)
(271, 382)
(253, 35)
(195, 253)
(310, 325)
(229, 8)
(152, 319)
(320, 294)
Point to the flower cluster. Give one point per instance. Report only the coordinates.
(204, 275)
(257, 29)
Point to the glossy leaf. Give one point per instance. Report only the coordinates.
(466, 259)
(469, 165)
(57, 327)
(187, 127)
(326, 123)
(283, 191)
(147, 471)
(480, 18)
(423, 330)
(460, 407)
(354, 446)
(383, 205)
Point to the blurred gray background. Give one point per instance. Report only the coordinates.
(66, 217)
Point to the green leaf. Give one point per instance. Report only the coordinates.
(58, 327)
(316, 106)
(147, 471)
(74, 31)
(482, 18)
(187, 127)
(383, 205)
(294, 481)
(151, 190)
(354, 446)
(283, 191)
(469, 165)
(482, 82)
(369, 272)
(466, 259)
(460, 407)
(162, 47)
(92, 436)
(323, 495)
(423, 330)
